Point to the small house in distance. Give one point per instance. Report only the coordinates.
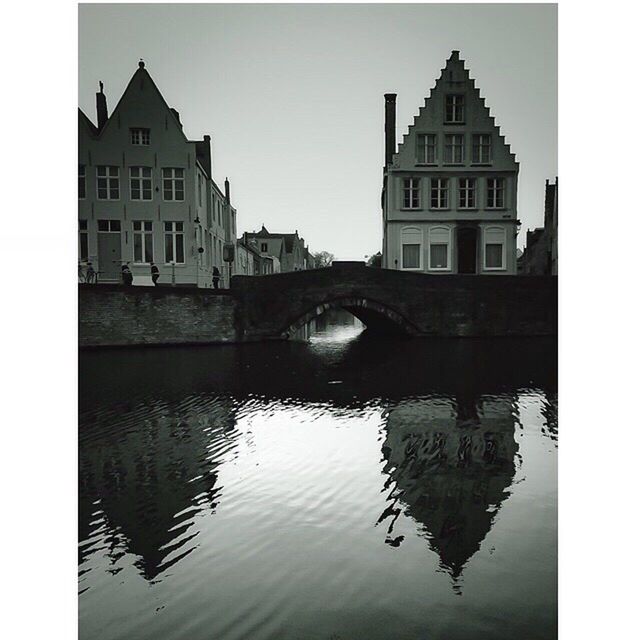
(450, 189)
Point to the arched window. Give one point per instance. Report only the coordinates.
(411, 248)
(439, 249)
(495, 248)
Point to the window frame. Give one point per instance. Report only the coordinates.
(147, 236)
(82, 180)
(174, 232)
(455, 107)
(439, 189)
(405, 236)
(503, 189)
(473, 190)
(173, 179)
(425, 146)
(111, 222)
(487, 240)
(414, 192)
(108, 177)
(141, 179)
(140, 133)
(479, 146)
(438, 242)
(452, 161)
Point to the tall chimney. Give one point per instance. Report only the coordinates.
(227, 191)
(389, 127)
(101, 108)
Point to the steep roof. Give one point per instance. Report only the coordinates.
(83, 121)
(454, 78)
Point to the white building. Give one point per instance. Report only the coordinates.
(146, 193)
(450, 189)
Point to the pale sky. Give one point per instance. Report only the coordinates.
(292, 96)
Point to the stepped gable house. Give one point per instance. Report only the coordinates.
(146, 192)
(450, 189)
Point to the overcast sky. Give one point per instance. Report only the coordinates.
(292, 96)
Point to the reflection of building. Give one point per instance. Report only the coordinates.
(151, 480)
(146, 192)
(452, 464)
(540, 257)
(450, 190)
(288, 248)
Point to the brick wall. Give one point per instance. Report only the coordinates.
(113, 316)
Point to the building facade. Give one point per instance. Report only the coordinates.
(449, 196)
(146, 193)
(287, 248)
(540, 257)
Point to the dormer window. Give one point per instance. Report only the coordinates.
(140, 137)
(454, 109)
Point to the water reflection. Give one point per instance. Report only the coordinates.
(152, 477)
(450, 464)
(316, 460)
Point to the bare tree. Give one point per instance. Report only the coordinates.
(323, 259)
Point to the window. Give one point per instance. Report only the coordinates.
(454, 108)
(411, 191)
(495, 193)
(439, 241)
(427, 148)
(481, 148)
(84, 240)
(263, 247)
(494, 248)
(411, 241)
(439, 193)
(140, 137)
(82, 181)
(174, 242)
(142, 241)
(467, 193)
(140, 184)
(108, 179)
(109, 226)
(454, 149)
(173, 184)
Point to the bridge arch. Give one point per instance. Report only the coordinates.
(376, 316)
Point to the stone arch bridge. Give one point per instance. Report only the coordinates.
(276, 307)
(396, 302)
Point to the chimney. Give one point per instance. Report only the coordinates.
(227, 191)
(455, 55)
(389, 127)
(101, 108)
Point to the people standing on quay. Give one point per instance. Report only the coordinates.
(215, 277)
(127, 276)
(155, 274)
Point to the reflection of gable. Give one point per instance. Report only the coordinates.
(451, 475)
(159, 475)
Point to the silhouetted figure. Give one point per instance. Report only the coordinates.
(91, 276)
(127, 276)
(215, 277)
(155, 274)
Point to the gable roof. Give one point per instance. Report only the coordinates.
(83, 121)
(141, 76)
(454, 68)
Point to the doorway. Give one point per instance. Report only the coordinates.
(109, 256)
(467, 240)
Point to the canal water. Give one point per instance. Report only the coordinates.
(346, 488)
